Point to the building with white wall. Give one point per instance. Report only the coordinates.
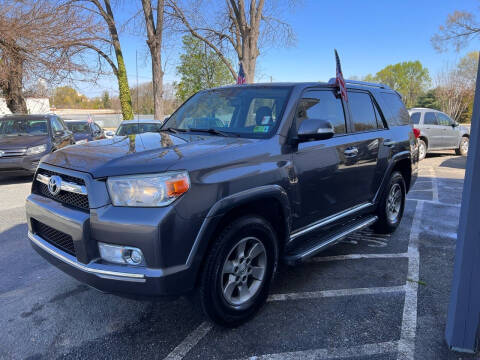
(34, 106)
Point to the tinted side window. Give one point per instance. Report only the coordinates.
(399, 115)
(415, 117)
(322, 105)
(444, 119)
(57, 125)
(362, 110)
(429, 118)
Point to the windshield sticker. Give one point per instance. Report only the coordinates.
(261, 129)
(266, 120)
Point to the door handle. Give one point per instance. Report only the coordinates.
(388, 143)
(351, 152)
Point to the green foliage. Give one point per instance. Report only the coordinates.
(66, 97)
(428, 100)
(409, 78)
(200, 68)
(106, 102)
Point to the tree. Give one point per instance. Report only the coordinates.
(39, 41)
(106, 102)
(428, 100)
(409, 78)
(200, 68)
(119, 70)
(234, 26)
(459, 28)
(154, 42)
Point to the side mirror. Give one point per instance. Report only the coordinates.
(455, 124)
(315, 129)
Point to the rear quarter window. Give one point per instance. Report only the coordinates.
(415, 117)
(396, 113)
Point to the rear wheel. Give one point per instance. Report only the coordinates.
(392, 204)
(463, 147)
(422, 149)
(238, 271)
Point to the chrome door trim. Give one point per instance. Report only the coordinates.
(328, 220)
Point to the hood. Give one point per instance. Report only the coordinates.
(22, 142)
(137, 154)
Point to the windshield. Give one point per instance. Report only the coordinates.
(78, 127)
(23, 127)
(137, 128)
(241, 111)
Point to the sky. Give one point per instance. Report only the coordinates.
(368, 34)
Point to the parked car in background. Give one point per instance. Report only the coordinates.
(85, 131)
(224, 191)
(24, 139)
(438, 132)
(133, 127)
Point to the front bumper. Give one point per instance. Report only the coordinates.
(140, 228)
(19, 164)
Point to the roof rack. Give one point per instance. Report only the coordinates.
(362, 83)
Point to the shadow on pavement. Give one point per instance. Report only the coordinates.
(459, 162)
(10, 180)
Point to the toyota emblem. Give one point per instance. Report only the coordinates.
(54, 185)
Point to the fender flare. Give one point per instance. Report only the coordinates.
(395, 159)
(221, 207)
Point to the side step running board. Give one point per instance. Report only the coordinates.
(308, 250)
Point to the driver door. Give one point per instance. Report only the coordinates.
(322, 166)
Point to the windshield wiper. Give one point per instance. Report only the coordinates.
(214, 132)
(174, 130)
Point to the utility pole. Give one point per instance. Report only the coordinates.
(463, 319)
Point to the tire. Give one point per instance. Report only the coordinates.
(231, 291)
(463, 147)
(388, 220)
(422, 149)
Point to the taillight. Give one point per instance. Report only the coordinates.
(416, 132)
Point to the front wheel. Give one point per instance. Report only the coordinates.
(463, 147)
(238, 271)
(392, 204)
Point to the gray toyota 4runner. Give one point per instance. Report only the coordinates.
(234, 182)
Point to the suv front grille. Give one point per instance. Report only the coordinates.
(13, 152)
(66, 197)
(56, 238)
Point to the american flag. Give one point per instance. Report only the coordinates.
(241, 76)
(89, 119)
(339, 79)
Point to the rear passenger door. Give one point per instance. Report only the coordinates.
(370, 139)
(450, 135)
(432, 130)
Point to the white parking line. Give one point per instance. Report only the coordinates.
(434, 185)
(333, 353)
(189, 342)
(357, 257)
(406, 345)
(434, 202)
(333, 293)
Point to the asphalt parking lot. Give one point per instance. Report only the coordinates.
(369, 297)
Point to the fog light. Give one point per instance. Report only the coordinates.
(121, 254)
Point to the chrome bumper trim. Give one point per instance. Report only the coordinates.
(70, 260)
(65, 185)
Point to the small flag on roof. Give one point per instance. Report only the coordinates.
(89, 119)
(339, 79)
(241, 76)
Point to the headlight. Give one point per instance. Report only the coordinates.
(148, 190)
(37, 149)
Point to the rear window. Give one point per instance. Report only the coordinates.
(397, 114)
(137, 128)
(415, 117)
(363, 112)
(430, 118)
(78, 127)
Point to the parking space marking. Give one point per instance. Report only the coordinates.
(434, 184)
(357, 257)
(333, 353)
(434, 202)
(190, 341)
(406, 345)
(333, 293)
